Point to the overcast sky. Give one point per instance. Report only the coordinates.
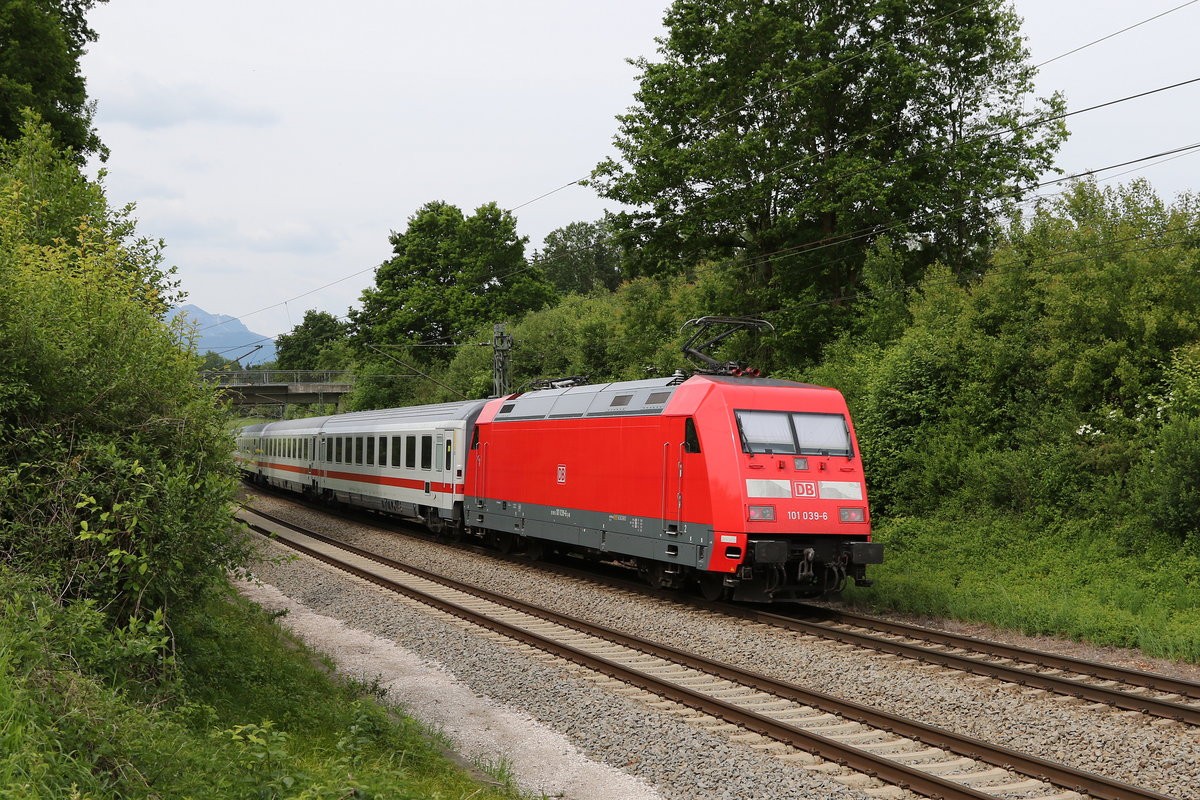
(275, 145)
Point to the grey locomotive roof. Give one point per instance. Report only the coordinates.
(628, 398)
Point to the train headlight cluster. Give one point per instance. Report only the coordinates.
(852, 514)
(762, 513)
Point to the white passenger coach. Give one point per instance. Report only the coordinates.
(407, 461)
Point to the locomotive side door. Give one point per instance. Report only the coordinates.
(672, 483)
(681, 448)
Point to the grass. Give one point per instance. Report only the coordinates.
(250, 714)
(1080, 579)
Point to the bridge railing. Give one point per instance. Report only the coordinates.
(275, 376)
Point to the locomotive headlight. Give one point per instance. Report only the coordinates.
(762, 513)
(852, 514)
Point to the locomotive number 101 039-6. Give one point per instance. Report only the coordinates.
(808, 515)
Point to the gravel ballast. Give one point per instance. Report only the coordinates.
(681, 760)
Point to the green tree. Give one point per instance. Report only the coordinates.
(449, 273)
(301, 349)
(581, 257)
(41, 42)
(790, 134)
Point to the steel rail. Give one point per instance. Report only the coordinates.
(1167, 709)
(907, 777)
(1094, 669)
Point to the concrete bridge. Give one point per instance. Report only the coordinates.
(275, 387)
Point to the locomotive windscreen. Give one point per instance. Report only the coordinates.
(792, 433)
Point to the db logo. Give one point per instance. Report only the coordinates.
(562, 473)
(804, 489)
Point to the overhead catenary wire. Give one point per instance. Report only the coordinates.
(1167, 155)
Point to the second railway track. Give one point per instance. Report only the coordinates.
(923, 758)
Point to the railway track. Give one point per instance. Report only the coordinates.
(925, 759)
(1090, 681)
(1130, 689)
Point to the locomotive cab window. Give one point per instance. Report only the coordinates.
(691, 441)
(794, 433)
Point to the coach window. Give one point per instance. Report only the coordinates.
(449, 453)
(691, 442)
(358, 450)
(338, 452)
(329, 450)
(410, 451)
(426, 452)
(397, 451)
(370, 449)
(383, 451)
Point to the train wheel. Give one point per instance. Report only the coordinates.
(712, 586)
(660, 575)
(535, 549)
(503, 541)
(434, 522)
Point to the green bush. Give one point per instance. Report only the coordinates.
(115, 471)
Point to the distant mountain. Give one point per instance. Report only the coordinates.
(226, 335)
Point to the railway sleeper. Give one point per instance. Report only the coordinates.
(986, 776)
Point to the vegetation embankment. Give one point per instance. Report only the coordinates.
(127, 666)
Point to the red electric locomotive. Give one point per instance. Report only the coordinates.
(751, 486)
